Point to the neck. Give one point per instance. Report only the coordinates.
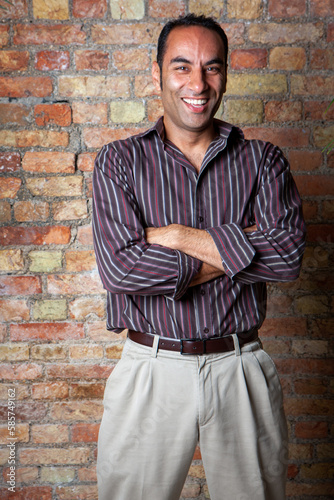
(192, 144)
(189, 140)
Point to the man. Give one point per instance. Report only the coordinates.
(190, 221)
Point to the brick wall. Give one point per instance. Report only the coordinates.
(75, 75)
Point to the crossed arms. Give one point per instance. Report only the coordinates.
(194, 242)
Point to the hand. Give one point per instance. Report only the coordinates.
(250, 229)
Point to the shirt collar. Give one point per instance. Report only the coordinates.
(224, 129)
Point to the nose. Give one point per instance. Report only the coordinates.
(198, 81)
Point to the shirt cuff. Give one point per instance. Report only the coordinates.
(233, 245)
(188, 268)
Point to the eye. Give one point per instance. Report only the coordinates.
(212, 69)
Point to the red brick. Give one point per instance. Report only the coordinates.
(89, 187)
(47, 390)
(304, 490)
(85, 433)
(12, 113)
(154, 109)
(48, 60)
(15, 10)
(43, 456)
(131, 59)
(293, 471)
(10, 162)
(30, 211)
(322, 8)
(138, 33)
(312, 85)
(57, 114)
(69, 186)
(286, 8)
(305, 366)
(307, 386)
(87, 474)
(315, 185)
(22, 371)
(330, 33)
(277, 33)
(20, 285)
(89, 8)
(69, 210)
(28, 493)
(144, 86)
(50, 433)
(80, 260)
(83, 307)
(310, 210)
(86, 161)
(49, 162)
(166, 8)
(87, 391)
(9, 187)
(76, 491)
(40, 34)
(46, 331)
(298, 406)
(77, 370)
(283, 137)
(98, 137)
(85, 235)
(305, 160)
(94, 60)
(318, 110)
(33, 138)
(235, 32)
(4, 35)
(5, 211)
(287, 58)
(84, 113)
(322, 59)
(13, 60)
(25, 86)
(47, 235)
(320, 233)
(283, 111)
(75, 284)
(278, 304)
(249, 58)
(14, 310)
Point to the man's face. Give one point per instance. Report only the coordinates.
(193, 78)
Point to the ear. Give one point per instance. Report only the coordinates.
(156, 76)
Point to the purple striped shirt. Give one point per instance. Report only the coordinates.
(144, 181)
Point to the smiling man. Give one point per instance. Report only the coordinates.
(190, 222)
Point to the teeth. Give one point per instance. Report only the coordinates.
(196, 102)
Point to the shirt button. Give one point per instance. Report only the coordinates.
(200, 219)
(206, 330)
(202, 292)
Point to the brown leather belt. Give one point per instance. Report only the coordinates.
(194, 346)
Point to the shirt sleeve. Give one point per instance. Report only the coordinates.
(126, 262)
(274, 251)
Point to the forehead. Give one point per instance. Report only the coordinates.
(195, 41)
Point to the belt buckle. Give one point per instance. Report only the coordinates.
(193, 353)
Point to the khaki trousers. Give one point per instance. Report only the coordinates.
(158, 405)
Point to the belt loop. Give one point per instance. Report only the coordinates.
(236, 344)
(155, 346)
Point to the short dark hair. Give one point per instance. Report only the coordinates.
(189, 20)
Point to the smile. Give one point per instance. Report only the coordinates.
(195, 102)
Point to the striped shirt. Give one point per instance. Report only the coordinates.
(144, 181)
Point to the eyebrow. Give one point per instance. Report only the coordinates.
(179, 59)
